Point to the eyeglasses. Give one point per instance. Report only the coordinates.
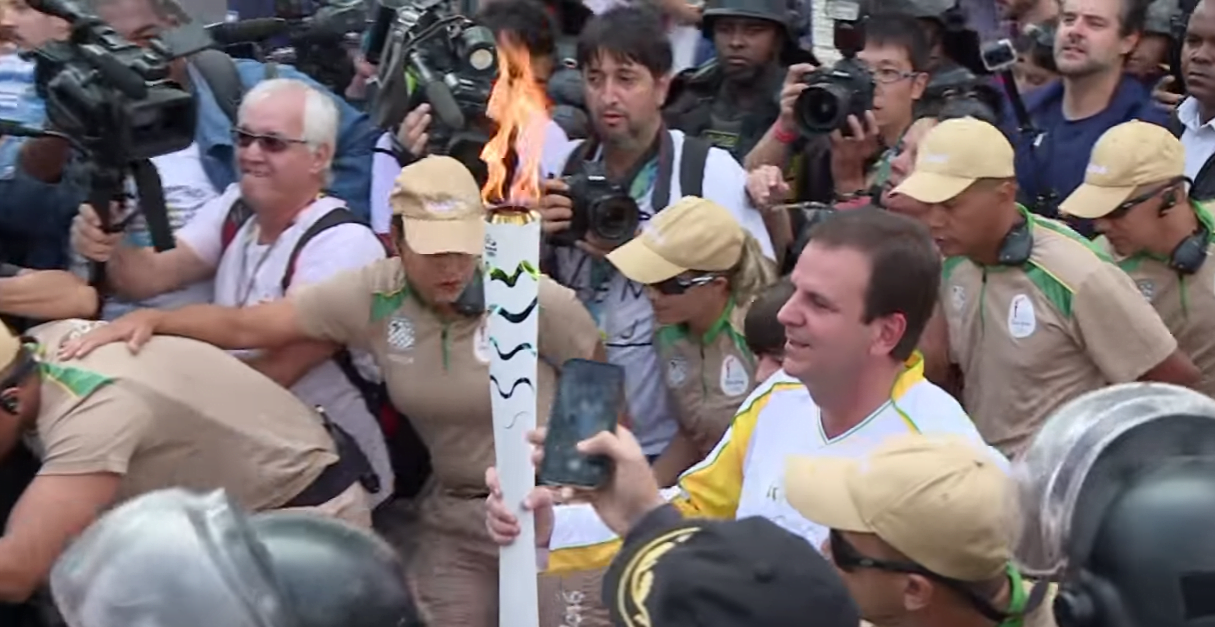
(270, 143)
(1122, 209)
(888, 75)
(677, 285)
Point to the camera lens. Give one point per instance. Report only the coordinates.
(615, 218)
(822, 108)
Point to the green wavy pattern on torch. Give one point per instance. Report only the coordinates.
(498, 274)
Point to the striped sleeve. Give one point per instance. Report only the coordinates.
(710, 489)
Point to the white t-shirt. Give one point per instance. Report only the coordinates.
(385, 169)
(620, 306)
(186, 188)
(249, 273)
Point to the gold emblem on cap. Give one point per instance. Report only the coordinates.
(637, 579)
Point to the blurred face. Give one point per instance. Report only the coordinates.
(902, 166)
(1030, 75)
(1014, 9)
(21, 385)
(1088, 40)
(624, 100)
(963, 225)
(767, 365)
(438, 279)
(1133, 226)
(685, 297)
(826, 339)
(134, 19)
(277, 165)
(1146, 59)
(879, 594)
(898, 84)
(1198, 54)
(745, 46)
(27, 28)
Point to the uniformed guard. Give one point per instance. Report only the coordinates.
(1036, 315)
(1135, 190)
(701, 270)
(733, 99)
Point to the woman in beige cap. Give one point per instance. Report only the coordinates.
(419, 317)
(701, 270)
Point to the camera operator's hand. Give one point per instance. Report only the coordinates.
(766, 186)
(795, 84)
(849, 154)
(555, 208)
(1165, 98)
(89, 238)
(412, 134)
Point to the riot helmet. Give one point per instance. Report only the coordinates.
(1160, 18)
(1119, 488)
(177, 558)
(790, 15)
(958, 41)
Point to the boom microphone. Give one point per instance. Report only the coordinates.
(243, 31)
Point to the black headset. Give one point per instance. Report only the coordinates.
(1191, 253)
(1017, 245)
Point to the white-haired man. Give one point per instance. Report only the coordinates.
(272, 232)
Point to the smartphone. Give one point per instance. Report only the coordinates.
(471, 301)
(589, 399)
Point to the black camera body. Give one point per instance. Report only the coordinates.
(832, 95)
(601, 208)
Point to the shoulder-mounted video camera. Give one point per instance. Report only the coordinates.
(427, 54)
(843, 89)
(114, 103)
(601, 208)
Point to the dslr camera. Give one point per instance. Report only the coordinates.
(844, 89)
(427, 54)
(601, 208)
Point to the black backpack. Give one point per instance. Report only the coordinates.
(220, 73)
(408, 454)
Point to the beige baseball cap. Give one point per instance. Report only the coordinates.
(440, 207)
(1125, 158)
(953, 156)
(940, 500)
(692, 234)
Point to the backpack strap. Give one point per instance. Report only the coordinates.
(692, 160)
(335, 217)
(238, 214)
(219, 72)
(580, 153)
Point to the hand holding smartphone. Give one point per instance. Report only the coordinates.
(589, 399)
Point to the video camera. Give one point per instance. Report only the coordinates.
(845, 88)
(601, 208)
(114, 103)
(311, 39)
(427, 54)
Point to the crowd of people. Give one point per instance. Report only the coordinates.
(841, 348)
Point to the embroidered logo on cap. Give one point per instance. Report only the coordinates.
(442, 206)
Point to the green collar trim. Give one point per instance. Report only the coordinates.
(722, 324)
(77, 381)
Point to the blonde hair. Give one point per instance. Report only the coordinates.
(752, 273)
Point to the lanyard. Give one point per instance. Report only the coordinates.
(242, 295)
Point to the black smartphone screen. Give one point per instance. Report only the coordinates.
(590, 396)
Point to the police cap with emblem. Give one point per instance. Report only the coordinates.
(705, 573)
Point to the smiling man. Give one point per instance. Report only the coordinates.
(1092, 43)
(1036, 315)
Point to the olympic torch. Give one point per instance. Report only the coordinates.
(512, 257)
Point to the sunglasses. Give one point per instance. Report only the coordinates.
(1126, 206)
(677, 285)
(270, 143)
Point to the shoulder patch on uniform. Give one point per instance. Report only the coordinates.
(384, 304)
(77, 381)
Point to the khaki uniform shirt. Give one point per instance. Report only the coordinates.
(708, 376)
(1032, 337)
(437, 370)
(1185, 302)
(181, 413)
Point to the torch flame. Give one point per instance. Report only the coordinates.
(520, 107)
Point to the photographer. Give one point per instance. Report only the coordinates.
(632, 168)
(1094, 39)
(731, 102)
(842, 168)
(199, 173)
(33, 215)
